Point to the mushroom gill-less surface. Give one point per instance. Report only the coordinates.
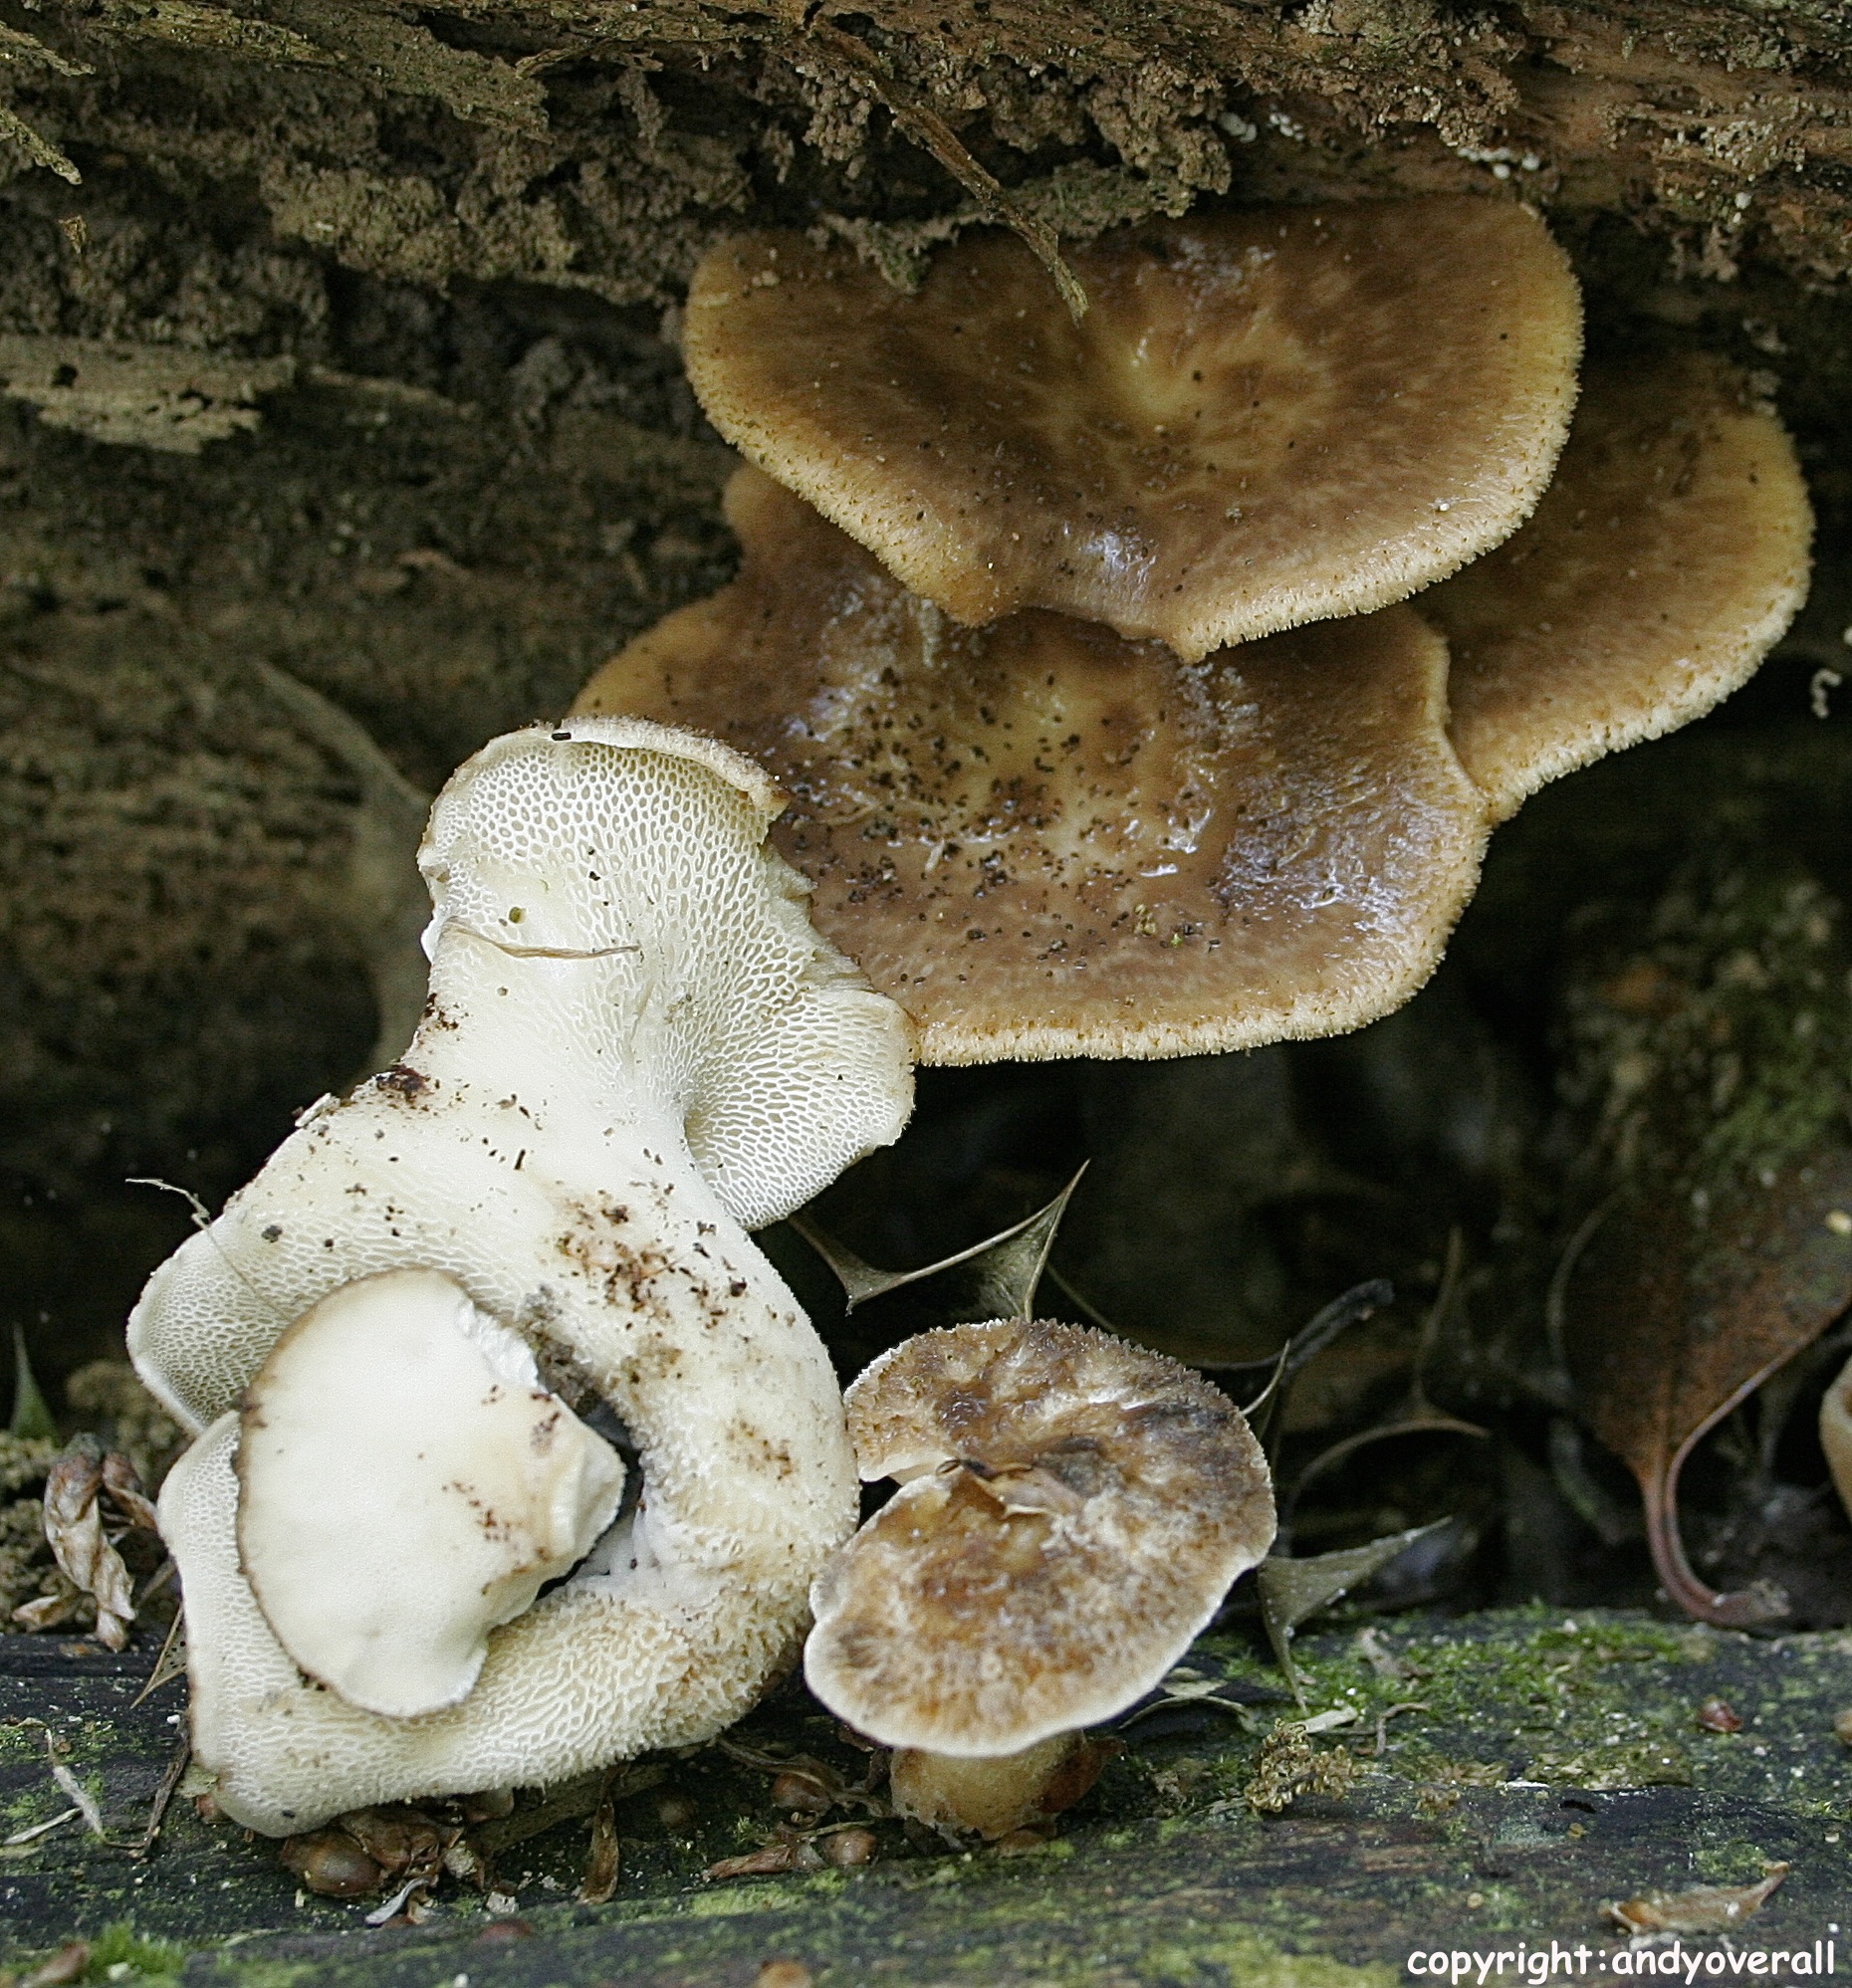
(635, 1048)
(1668, 557)
(1836, 1432)
(1043, 840)
(1072, 1512)
(405, 1485)
(1266, 417)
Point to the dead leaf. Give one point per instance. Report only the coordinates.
(998, 1275)
(1416, 1415)
(1706, 1909)
(32, 1418)
(1707, 1063)
(69, 1963)
(1290, 1591)
(788, 1850)
(1351, 1307)
(329, 1864)
(123, 1486)
(74, 1530)
(801, 1781)
(605, 1856)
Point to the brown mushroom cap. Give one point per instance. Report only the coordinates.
(1667, 558)
(1267, 417)
(1044, 841)
(1073, 1510)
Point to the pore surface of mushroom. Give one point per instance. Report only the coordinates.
(1045, 840)
(1666, 560)
(635, 1047)
(1072, 1512)
(1267, 417)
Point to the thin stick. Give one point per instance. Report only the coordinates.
(163, 1795)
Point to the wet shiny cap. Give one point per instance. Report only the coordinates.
(1044, 840)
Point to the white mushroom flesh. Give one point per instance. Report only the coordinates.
(406, 1486)
(635, 1047)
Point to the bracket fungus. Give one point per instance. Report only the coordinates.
(1119, 816)
(1667, 558)
(1268, 415)
(636, 1047)
(1072, 1512)
(1047, 841)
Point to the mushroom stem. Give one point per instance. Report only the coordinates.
(990, 1795)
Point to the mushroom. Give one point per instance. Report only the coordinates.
(636, 1046)
(1836, 1432)
(1666, 560)
(406, 1485)
(1072, 1512)
(1047, 841)
(1266, 416)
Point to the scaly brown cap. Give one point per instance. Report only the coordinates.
(1044, 841)
(1072, 1512)
(1667, 558)
(1267, 417)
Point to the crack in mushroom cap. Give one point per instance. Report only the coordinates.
(1663, 563)
(1267, 417)
(1044, 841)
(543, 1145)
(406, 1485)
(1072, 1511)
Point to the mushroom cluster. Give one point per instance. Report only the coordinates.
(514, 1457)
(1071, 1512)
(1081, 646)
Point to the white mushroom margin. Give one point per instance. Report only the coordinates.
(636, 1048)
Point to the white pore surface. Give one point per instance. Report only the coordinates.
(402, 1495)
(578, 1132)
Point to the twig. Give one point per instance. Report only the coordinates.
(75, 1790)
(168, 1664)
(38, 1830)
(163, 1795)
(1384, 1716)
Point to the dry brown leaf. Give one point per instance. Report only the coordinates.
(1677, 1325)
(1708, 1056)
(1706, 1908)
(74, 1529)
(603, 1858)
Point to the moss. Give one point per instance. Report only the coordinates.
(120, 1946)
(1718, 1051)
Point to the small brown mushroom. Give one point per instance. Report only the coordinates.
(1072, 1512)
(1666, 560)
(1043, 840)
(1267, 417)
